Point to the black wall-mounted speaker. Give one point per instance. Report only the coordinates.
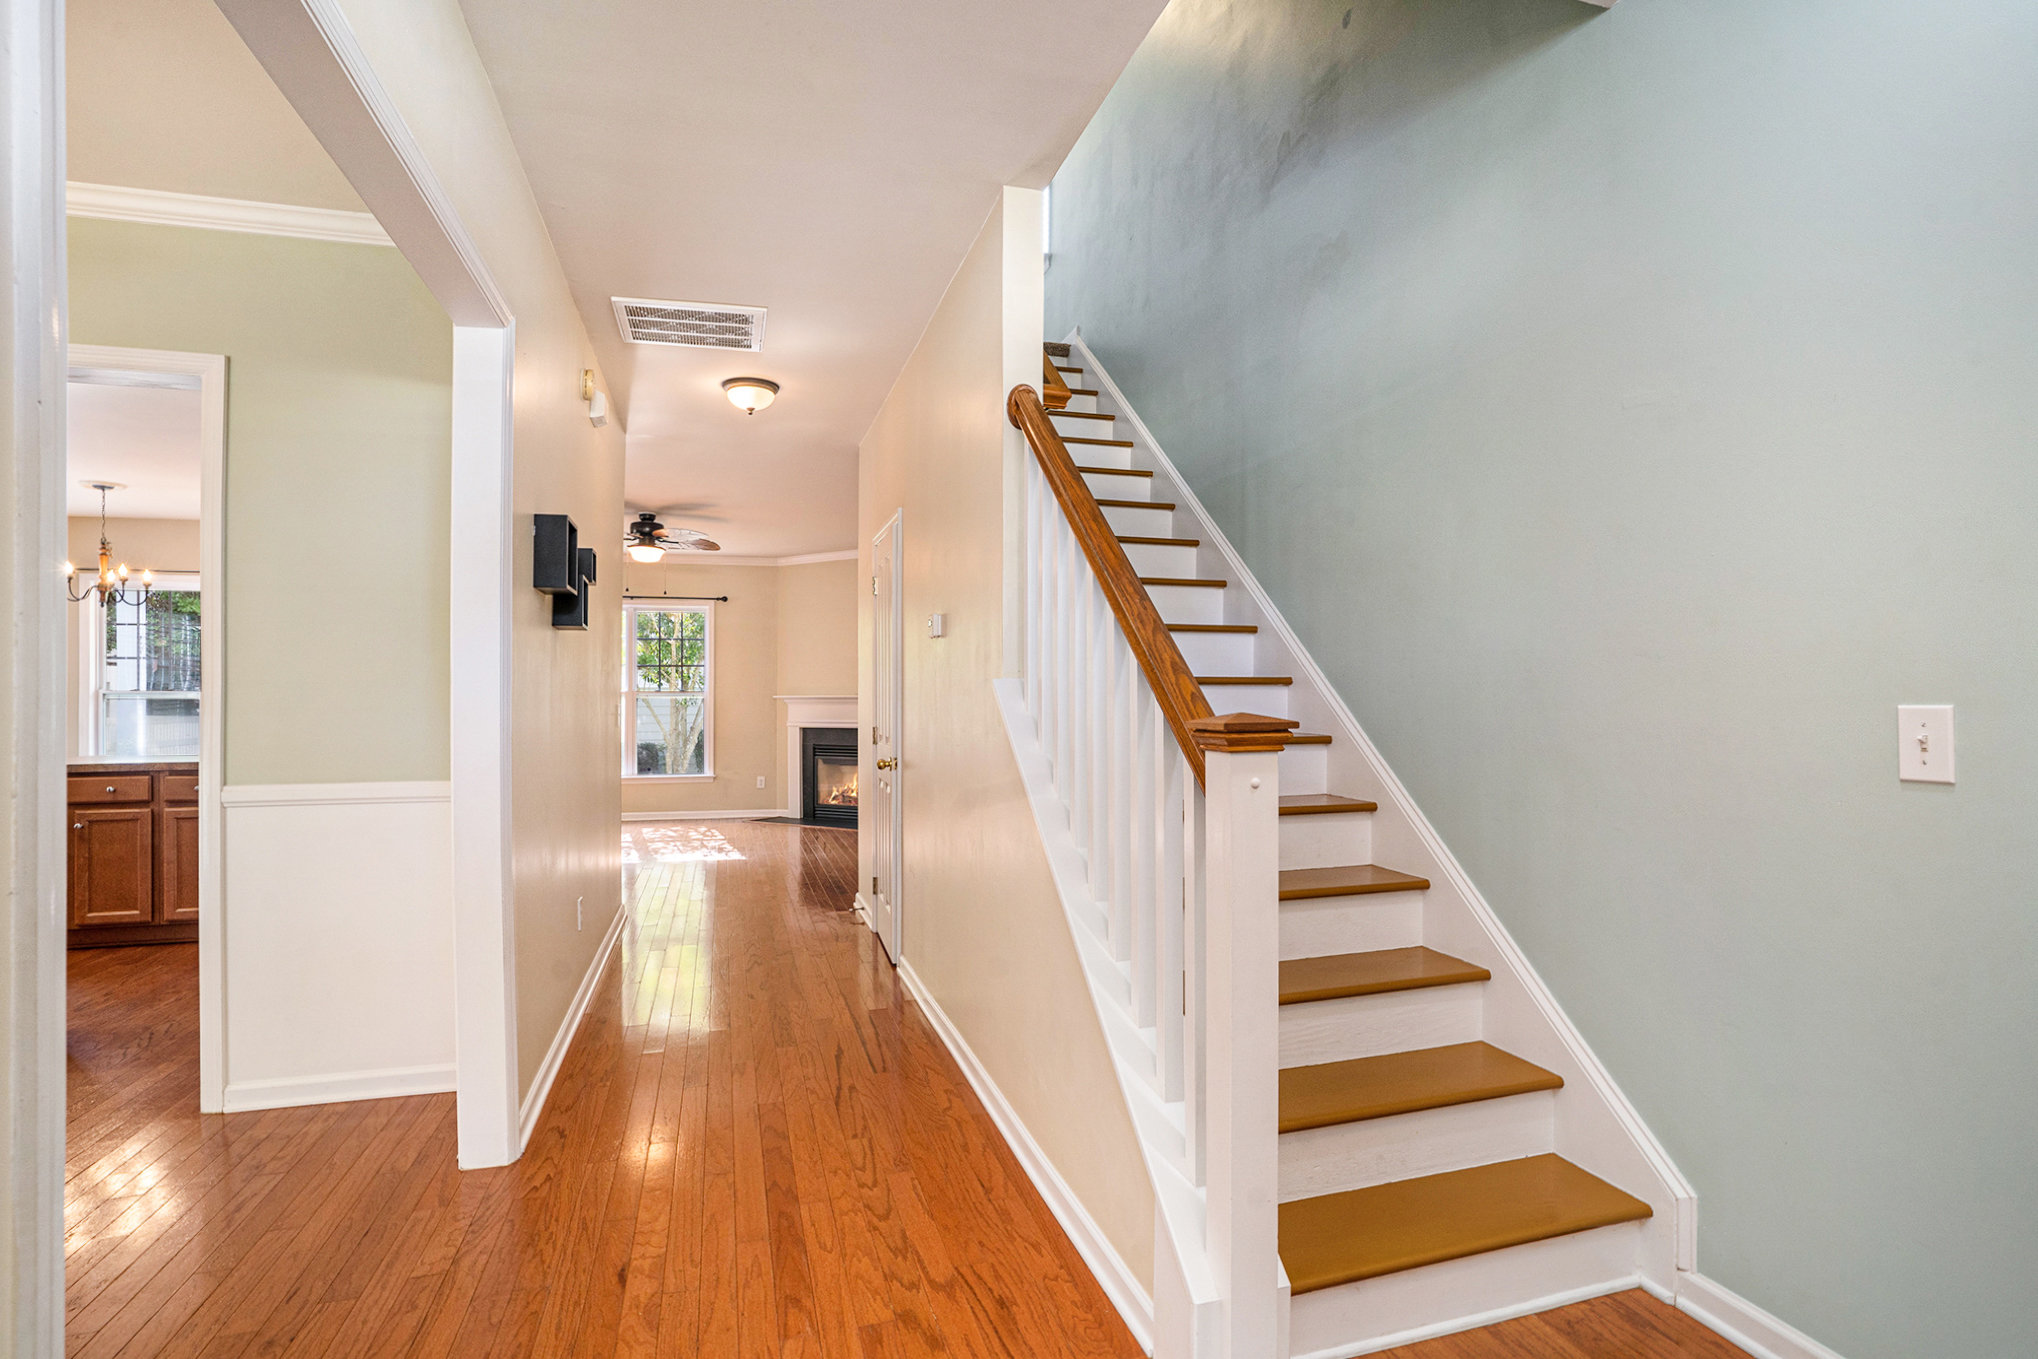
(562, 568)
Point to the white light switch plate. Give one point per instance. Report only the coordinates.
(1924, 743)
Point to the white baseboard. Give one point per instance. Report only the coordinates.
(1733, 1316)
(1118, 1282)
(739, 814)
(863, 910)
(288, 1092)
(548, 1071)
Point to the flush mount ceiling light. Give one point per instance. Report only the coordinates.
(751, 394)
(647, 541)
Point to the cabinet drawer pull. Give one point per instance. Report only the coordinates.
(109, 788)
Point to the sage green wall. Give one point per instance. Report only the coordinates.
(1630, 409)
(339, 369)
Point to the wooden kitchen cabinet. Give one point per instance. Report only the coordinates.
(134, 854)
(113, 866)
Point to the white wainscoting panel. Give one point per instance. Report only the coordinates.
(338, 931)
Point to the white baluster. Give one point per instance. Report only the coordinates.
(1183, 807)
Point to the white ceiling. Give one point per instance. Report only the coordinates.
(831, 162)
(162, 94)
(144, 437)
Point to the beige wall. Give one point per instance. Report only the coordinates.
(565, 686)
(784, 630)
(339, 366)
(158, 544)
(983, 926)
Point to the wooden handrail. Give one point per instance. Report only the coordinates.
(1057, 391)
(1167, 674)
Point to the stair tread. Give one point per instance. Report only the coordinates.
(1160, 542)
(1306, 738)
(1183, 580)
(1082, 391)
(1105, 443)
(1404, 1224)
(1060, 369)
(1136, 504)
(1115, 471)
(1245, 679)
(1345, 880)
(1366, 974)
(1213, 627)
(1404, 1082)
(1319, 804)
(1084, 415)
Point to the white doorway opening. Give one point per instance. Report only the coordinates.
(103, 366)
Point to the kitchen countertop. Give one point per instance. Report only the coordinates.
(133, 767)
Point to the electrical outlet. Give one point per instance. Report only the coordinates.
(578, 922)
(760, 780)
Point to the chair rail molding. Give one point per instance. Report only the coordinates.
(161, 207)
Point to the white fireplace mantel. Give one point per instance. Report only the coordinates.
(810, 710)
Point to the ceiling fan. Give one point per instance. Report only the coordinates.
(646, 540)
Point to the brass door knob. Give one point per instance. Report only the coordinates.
(887, 764)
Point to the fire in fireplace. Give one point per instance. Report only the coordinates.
(829, 781)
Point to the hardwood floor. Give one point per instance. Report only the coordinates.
(1629, 1325)
(756, 1146)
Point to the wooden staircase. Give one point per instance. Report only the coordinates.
(1409, 1145)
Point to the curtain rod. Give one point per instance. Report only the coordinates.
(719, 599)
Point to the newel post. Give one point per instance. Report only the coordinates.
(1241, 810)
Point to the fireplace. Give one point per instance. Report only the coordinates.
(828, 780)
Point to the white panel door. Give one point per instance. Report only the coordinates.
(883, 805)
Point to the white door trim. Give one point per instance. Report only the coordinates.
(893, 722)
(32, 743)
(210, 370)
(310, 51)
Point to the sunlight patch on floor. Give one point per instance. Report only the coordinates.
(676, 845)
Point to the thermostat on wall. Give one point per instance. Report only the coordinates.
(935, 623)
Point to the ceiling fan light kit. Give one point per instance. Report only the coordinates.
(751, 394)
(647, 541)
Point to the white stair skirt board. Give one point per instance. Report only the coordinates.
(285, 1092)
(533, 1107)
(337, 921)
(739, 814)
(1117, 1280)
(1741, 1321)
(1593, 1123)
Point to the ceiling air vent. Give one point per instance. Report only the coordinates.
(701, 325)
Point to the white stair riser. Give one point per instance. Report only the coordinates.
(1396, 1309)
(1305, 769)
(1325, 926)
(1152, 559)
(1429, 1142)
(1188, 603)
(1140, 523)
(1082, 403)
(1073, 424)
(1326, 840)
(1098, 455)
(1216, 653)
(1367, 1026)
(1268, 700)
(1106, 486)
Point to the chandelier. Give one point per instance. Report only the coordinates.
(111, 587)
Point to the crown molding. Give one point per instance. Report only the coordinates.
(160, 207)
